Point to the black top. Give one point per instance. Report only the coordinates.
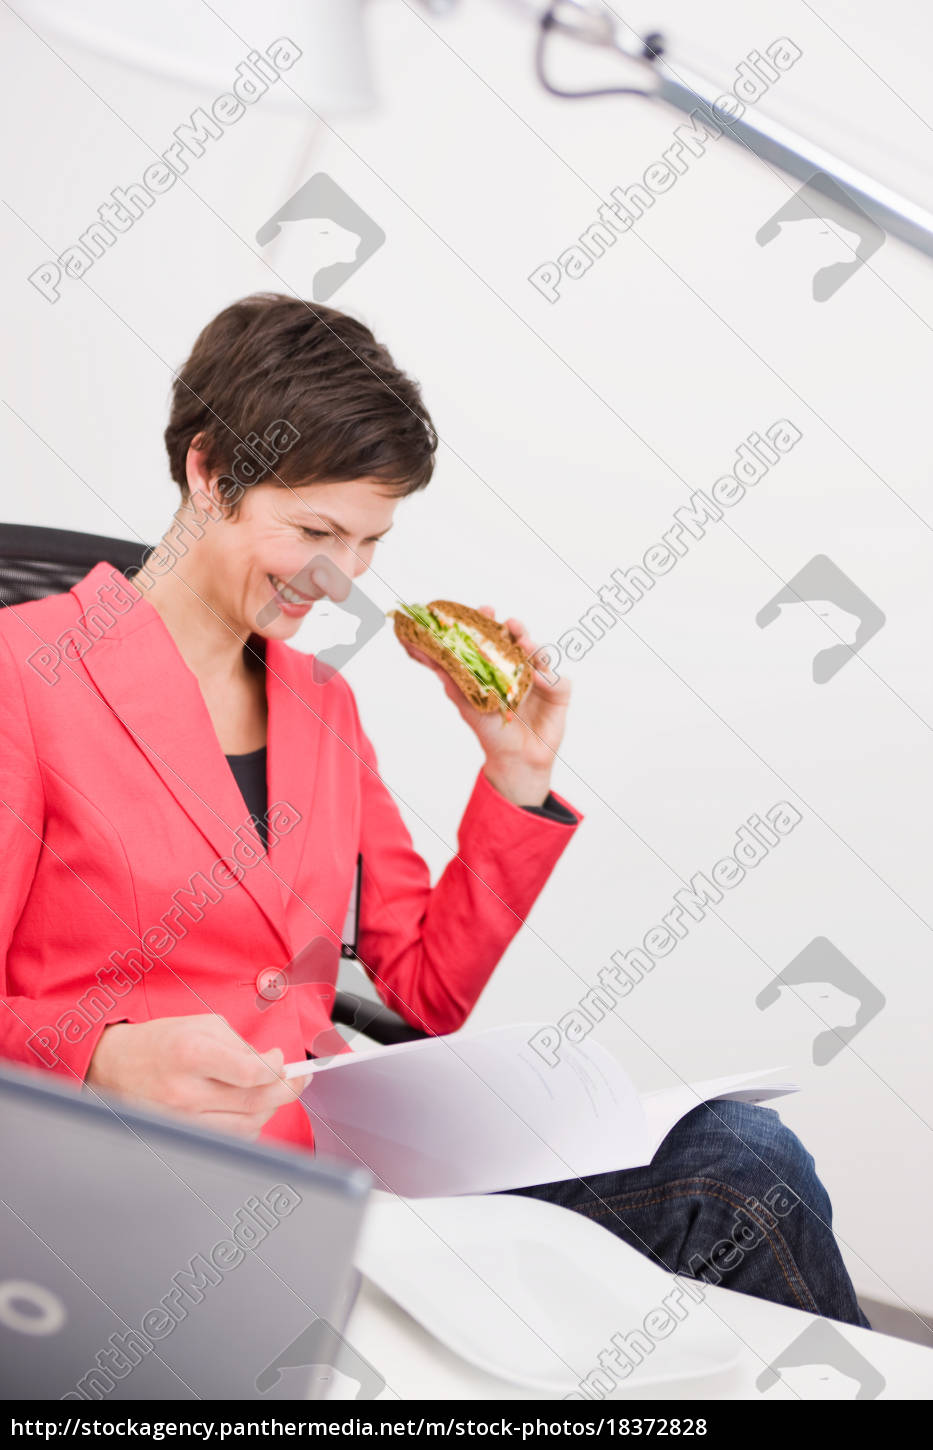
(249, 771)
(552, 810)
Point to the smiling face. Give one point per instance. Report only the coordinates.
(260, 561)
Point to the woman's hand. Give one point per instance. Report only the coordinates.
(197, 1066)
(520, 746)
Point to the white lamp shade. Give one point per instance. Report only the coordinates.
(191, 42)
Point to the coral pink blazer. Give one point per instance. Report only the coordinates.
(134, 886)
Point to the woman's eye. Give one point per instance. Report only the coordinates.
(314, 533)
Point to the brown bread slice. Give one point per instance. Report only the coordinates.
(497, 634)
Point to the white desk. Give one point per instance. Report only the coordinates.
(415, 1366)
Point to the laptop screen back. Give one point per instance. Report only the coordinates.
(140, 1260)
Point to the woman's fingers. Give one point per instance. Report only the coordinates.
(516, 628)
(265, 1101)
(419, 655)
(195, 1093)
(544, 680)
(233, 1077)
(241, 1124)
(233, 1062)
(423, 659)
(451, 690)
(199, 1067)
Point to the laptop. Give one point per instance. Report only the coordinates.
(142, 1258)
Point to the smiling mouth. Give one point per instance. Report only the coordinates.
(289, 594)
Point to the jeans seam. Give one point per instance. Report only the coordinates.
(804, 1298)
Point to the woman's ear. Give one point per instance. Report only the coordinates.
(202, 485)
(196, 472)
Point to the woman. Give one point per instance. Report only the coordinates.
(187, 798)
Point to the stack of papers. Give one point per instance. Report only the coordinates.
(479, 1112)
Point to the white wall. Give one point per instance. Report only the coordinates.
(571, 432)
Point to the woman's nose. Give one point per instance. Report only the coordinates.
(352, 558)
(349, 559)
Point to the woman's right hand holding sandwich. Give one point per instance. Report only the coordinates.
(197, 1066)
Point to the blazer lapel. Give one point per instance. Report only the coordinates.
(142, 676)
(295, 727)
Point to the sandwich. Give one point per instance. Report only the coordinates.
(480, 655)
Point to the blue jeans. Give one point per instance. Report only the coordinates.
(730, 1197)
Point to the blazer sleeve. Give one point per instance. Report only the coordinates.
(431, 950)
(27, 1033)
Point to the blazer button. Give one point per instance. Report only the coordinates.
(271, 983)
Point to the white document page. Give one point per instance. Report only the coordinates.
(666, 1107)
(477, 1112)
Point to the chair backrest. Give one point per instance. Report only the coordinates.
(37, 561)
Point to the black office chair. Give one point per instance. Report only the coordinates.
(35, 562)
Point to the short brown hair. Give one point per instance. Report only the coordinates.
(312, 380)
